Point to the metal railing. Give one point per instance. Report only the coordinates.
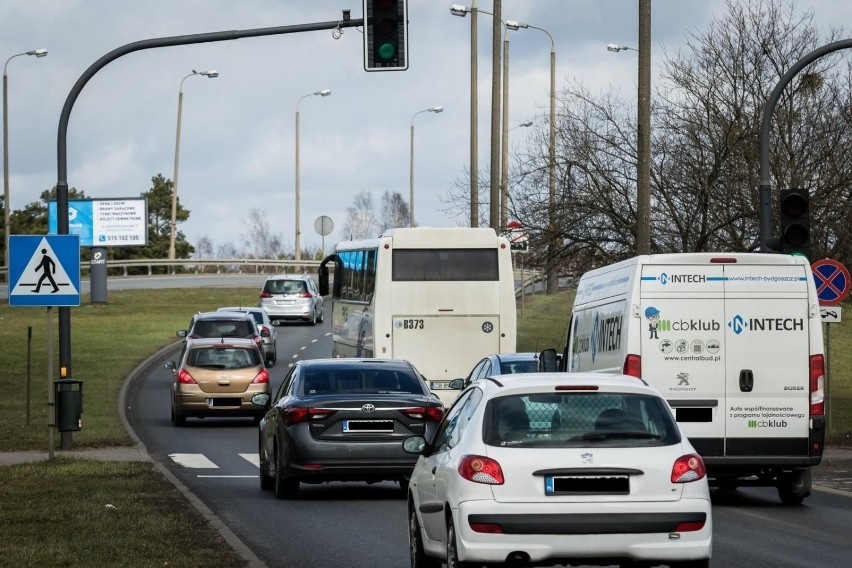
(203, 266)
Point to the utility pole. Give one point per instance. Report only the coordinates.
(643, 143)
(494, 190)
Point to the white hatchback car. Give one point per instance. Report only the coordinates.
(546, 468)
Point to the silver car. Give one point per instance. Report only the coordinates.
(292, 297)
(265, 326)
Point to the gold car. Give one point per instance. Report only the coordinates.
(218, 377)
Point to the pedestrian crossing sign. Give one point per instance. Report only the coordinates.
(44, 270)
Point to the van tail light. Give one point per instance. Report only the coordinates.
(633, 366)
(480, 469)
(261, 377)
(296, 414)
(688, 468)
(429, 413)
(185, 378)
(265, 294)
(817, 385)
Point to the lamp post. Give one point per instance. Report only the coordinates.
(211, 74)
(459, 10)
(41, 52)
(298, 203)
(435, 109)
(552, 277)
(616, 47)
(504, 175)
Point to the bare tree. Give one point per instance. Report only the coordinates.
(361, 221)
(258, 239)
(395, 211)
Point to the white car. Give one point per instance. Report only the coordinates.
(546, 468)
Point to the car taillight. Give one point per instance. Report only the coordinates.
(305, 295)
(265, 295)
(488, 528)
(296, 414)
(690, 526)
(185, 378)
(688, 468)
(633, 366)
(429, 413)
(480, 469)
(817, 385)
(261, 377)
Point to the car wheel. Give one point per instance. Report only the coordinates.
(285, 487)
(322, 316)
(415, 545)
(403, 486)
(452, 550)
(267, 482)
(178, 420)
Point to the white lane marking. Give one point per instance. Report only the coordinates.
(314, 340)
(295, 356)
(253, 459)
(193, 461)
(303, 347)
(228, 476)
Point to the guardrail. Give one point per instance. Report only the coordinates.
(201, 266)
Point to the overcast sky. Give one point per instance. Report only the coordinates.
(238, 130)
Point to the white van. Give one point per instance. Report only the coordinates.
(734, 343)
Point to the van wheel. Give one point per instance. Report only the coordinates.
(794, 486)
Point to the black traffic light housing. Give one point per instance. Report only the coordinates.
(385, 35)
(795, 222)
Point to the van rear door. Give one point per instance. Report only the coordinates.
(682, 314)
(766, 368)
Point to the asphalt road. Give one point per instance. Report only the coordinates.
(358, 525)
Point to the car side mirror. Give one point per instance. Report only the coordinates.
(456, 384)
(260, 399)
(547, 361)
(414, 445)
(171, 366)
(181, 333)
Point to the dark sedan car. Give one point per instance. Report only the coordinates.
(344, 420)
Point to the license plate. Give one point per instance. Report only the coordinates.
(440, 385)
(368, 426)
(587, 485)
(284, 302)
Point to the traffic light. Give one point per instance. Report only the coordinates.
(385, 35)
(795, 222)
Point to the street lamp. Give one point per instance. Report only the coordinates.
(435, 109)
(552, 278)
(616, 48)
(211, 74)
(41, 52)
(459, 10)
(298, 204)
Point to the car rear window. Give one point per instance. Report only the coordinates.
(223, 328)
(223, 357)
(350, 381)
(511, 367)
(579, 419)
(285, 287)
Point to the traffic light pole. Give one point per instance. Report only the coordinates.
(764, 191)
(62, 164)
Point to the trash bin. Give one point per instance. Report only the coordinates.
(69, 404)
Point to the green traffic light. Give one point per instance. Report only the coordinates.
(386, 51)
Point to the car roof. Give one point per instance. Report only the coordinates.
(246, 309)
(290, 277)
(234, 315)
(511, 357)
(213, 341)
(357, 362)
(538, 382)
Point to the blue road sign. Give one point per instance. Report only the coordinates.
(44, 270)
(832, 281)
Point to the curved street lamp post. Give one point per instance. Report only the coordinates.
(435, 109)
(298, 202)
(211, 74)
(41, 52)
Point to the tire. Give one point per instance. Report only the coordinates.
(267, 482)
(452, 551)
(794, 486)
(285, 487)
(322, 316)
(178, 420)
(415, 545)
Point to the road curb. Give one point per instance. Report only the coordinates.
(230, 537)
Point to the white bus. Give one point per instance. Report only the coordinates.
(441, 298)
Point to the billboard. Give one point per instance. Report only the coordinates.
(112, 222)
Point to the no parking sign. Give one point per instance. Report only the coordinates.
(832, 281)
